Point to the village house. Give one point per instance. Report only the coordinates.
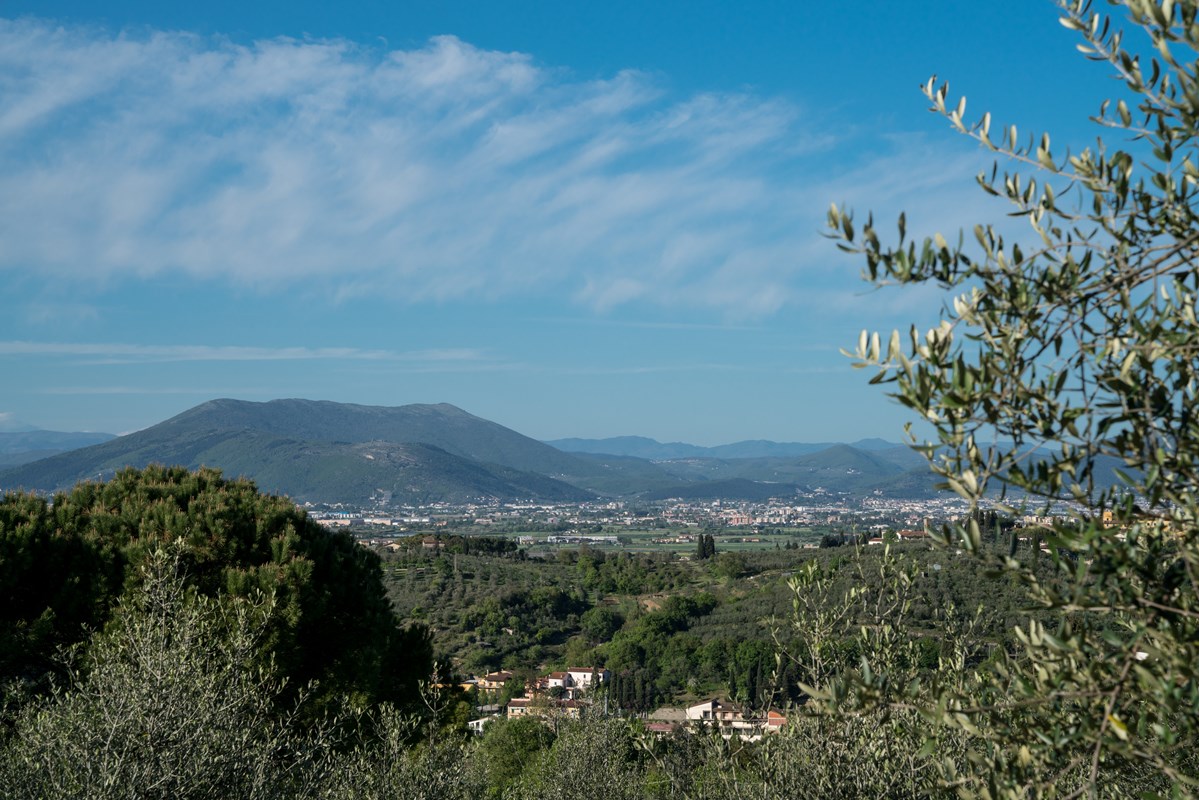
(732, 720)
(715, 712)
(586, 677)
(543, 707)
(911, 535)
(570, 683)
(556, 684)
(494, 681)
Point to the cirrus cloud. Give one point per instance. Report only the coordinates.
(119, 352)
(437, 173)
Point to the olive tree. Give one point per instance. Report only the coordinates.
(175, 702)
(1063, 375)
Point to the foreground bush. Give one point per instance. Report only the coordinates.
(175, 703)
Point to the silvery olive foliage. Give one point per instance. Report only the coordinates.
(1063, 374)
(864, 668)
(591, 758)
(174, 703)
(386, 765)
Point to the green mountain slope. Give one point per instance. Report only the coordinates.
(318, 450)
(408, 473)
(441, 425)
(329, 452)
(622, 475)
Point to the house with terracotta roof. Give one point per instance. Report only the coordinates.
(732, 719)
(570, 683)
(544, 707)
(911, 536)
(493, 681)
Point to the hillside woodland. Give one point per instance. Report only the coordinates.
(670, 631)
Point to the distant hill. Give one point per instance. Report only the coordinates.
(730, 489)
(635, 446)
(441, 425)
(339, 452)
(837, 468)
(901, 456)
(330, 451)
(893, 472)
(643, 447)
(762, 448)
(21, 444)
(912, 484)
(623, 475)
(408, 473)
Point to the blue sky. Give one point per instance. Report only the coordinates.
(573, 218)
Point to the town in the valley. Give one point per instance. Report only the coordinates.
(544, 530)
(800, 521)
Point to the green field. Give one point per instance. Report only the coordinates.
(669, 540)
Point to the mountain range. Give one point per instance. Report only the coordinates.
(21, 444)
(414, 454)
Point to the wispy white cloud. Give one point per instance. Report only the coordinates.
(112, 352)
(705, 368)
(609, 322)
(146, 391)
(442, 172)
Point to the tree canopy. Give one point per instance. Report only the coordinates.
(1065, 353)
(65, 564)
